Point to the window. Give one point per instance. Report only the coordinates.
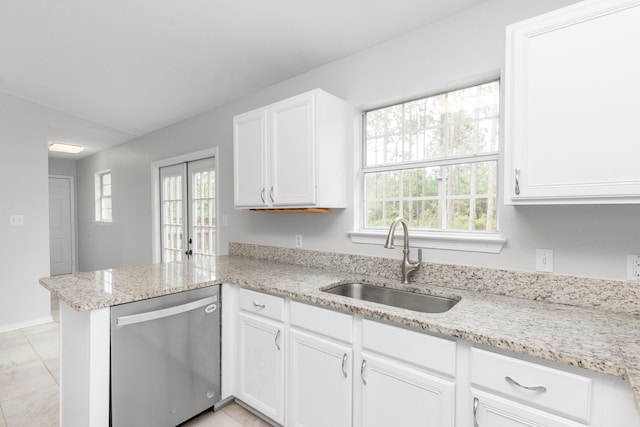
(434, 162)
(103, 196)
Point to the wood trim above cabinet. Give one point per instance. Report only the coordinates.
(294, 210)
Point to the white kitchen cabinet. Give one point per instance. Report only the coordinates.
(320, 367)
(303, 365)
(261, 353)
(394, 393)
(535, 393)
(571, 89)
(507, 391)
(291, 154)
(321, 381)
(249, 154)
(406, 378)
(490, 410)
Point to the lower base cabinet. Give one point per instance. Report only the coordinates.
(342, 370)
(395, 394)
(320, 381)
(261, 379)
(493, 411)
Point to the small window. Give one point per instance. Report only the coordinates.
(103, 196)
(434, 161)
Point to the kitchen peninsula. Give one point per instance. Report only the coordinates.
(586, 327)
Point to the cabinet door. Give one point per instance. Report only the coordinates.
(394, 394)
(571, 106)
(493, 411)
(293, 151)
(261, 370)
(249, 159)
(320, 382)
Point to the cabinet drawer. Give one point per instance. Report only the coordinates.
(326, 322)
(263, 304)
(562, 392)
(424, 350)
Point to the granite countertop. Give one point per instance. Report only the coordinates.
(593, 339)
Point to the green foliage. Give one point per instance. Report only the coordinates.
(448, 196)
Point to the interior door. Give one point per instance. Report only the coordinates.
(188, 218)
(60, 226)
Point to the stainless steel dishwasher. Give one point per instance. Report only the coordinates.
(165, 358)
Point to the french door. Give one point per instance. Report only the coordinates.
(188, 217)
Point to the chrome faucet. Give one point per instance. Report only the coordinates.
(408, 266)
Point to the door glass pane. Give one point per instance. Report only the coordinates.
(172, 222)
(202, 205)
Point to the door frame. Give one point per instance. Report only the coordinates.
(74, 226)
(156, 238)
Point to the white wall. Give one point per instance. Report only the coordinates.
(24, 252)
(587, 240)
(62, 167)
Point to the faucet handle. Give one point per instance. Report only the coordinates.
(420, 255)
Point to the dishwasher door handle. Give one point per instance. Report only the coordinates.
(165, 312)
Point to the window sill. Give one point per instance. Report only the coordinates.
(96, 222)
(452, 241)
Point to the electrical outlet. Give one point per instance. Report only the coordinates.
(544, 260)
(298, 240)
(633, 268)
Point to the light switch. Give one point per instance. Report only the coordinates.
(16, 220)
(544, 260)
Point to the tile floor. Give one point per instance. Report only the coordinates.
(30, 378)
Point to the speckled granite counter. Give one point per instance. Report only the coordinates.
(597, 340)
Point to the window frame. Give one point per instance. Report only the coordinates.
(99, 196)
(448, 239)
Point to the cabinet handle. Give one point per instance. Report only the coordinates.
(256, 305)
(262, 196)
(476, 403)
(271, 195)
(537, 388)
(344, 362)
(362, 368)
(517, 181)
(278, 339)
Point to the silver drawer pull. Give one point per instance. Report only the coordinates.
(256, 305)
(476, 403)
(277, 340)
(517, 181)
(362, 368)
(536, 388)
(344, 362)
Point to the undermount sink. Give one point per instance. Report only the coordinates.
(394, 297)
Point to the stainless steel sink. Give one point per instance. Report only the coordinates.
(394, 297)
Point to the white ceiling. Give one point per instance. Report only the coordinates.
(128, 67)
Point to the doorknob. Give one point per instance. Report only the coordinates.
(189, 252)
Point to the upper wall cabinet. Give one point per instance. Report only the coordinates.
(572, 86)
(291, 154)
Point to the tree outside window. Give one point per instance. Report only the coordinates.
(434, 161)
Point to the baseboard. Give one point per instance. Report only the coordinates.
(27, 324)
